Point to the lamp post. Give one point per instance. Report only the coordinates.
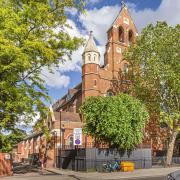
(63, 130)
(55, 141)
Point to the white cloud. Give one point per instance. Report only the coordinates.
(58, 79)
(73, 30)
(27, 126)
(55, 79)
(169, 10)
(99, 21)
(72, 11)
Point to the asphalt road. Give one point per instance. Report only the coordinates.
(59, 177)
(46, 177)
(151, 178)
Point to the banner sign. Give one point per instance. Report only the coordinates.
(77, 136)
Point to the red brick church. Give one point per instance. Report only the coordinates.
(97, 80)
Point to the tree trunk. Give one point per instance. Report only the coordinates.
(171, 148)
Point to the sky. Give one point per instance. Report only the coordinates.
(98, 17)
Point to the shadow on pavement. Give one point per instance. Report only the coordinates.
(20, 168)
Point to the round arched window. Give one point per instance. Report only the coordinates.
(70, 141)
(121, 34)
(125, 68)
(130, 37)
(89, 57)
(94, 57)
(109, 93)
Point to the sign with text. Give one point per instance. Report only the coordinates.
(77, 134)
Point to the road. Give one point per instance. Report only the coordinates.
(60, 177)
(27, 172)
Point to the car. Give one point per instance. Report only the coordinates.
(174, 175)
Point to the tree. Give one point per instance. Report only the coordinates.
(12, 138)
(155, 71)
(118, 120)
(33, 35)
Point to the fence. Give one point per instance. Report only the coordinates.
(161, 161)
(101, 145)
(87, 159)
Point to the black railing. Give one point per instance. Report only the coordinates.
(83, 164)
(96, 145)
(161, 161)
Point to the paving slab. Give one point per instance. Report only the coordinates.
(141, 173)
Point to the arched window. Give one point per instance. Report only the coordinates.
(125, 68)
(130, 37)
(121, 34)
(94, 57)
(70, 141)
(89, 57)
(109, 93)
(95, 82)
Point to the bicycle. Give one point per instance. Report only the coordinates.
(111, 167)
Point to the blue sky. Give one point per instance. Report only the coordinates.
(98, 17)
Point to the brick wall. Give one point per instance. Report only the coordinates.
(5, 165)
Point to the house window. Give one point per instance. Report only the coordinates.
(94, 57)
(131, 37)
(70, 141)
(125, 68)
(68, 97)
(109, 93)
(89, 57)
(121, 34)
(95, 82)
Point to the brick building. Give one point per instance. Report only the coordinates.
(97, 80)
(110, 78)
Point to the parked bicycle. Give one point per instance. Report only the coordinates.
(111, 166)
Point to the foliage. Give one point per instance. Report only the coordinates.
(118, 120)
(155, 71)
(9, 140)
(155, 67)
(33, 35)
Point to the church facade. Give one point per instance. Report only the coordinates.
(112, 77)
(97, 80)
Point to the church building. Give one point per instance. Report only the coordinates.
(97, 80)
(108, 79)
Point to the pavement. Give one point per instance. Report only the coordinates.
(27, 172)
(137, 174)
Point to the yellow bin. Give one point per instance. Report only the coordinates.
(127, 166)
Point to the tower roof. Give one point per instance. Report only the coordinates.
(91, 45)
(124, 7)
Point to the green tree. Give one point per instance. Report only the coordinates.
(155, 71)
(9, 140)
(118, 120)
(33, 35)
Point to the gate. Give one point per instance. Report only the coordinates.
(72, 159)
(92, 159)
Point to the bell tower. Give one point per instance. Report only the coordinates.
(121, 34)
(90, 69)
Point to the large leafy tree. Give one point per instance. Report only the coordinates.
(155, 71)
(118, 120)
(33, 35)
(9, 139)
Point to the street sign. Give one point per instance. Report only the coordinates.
(77, 134)
(7, 157)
